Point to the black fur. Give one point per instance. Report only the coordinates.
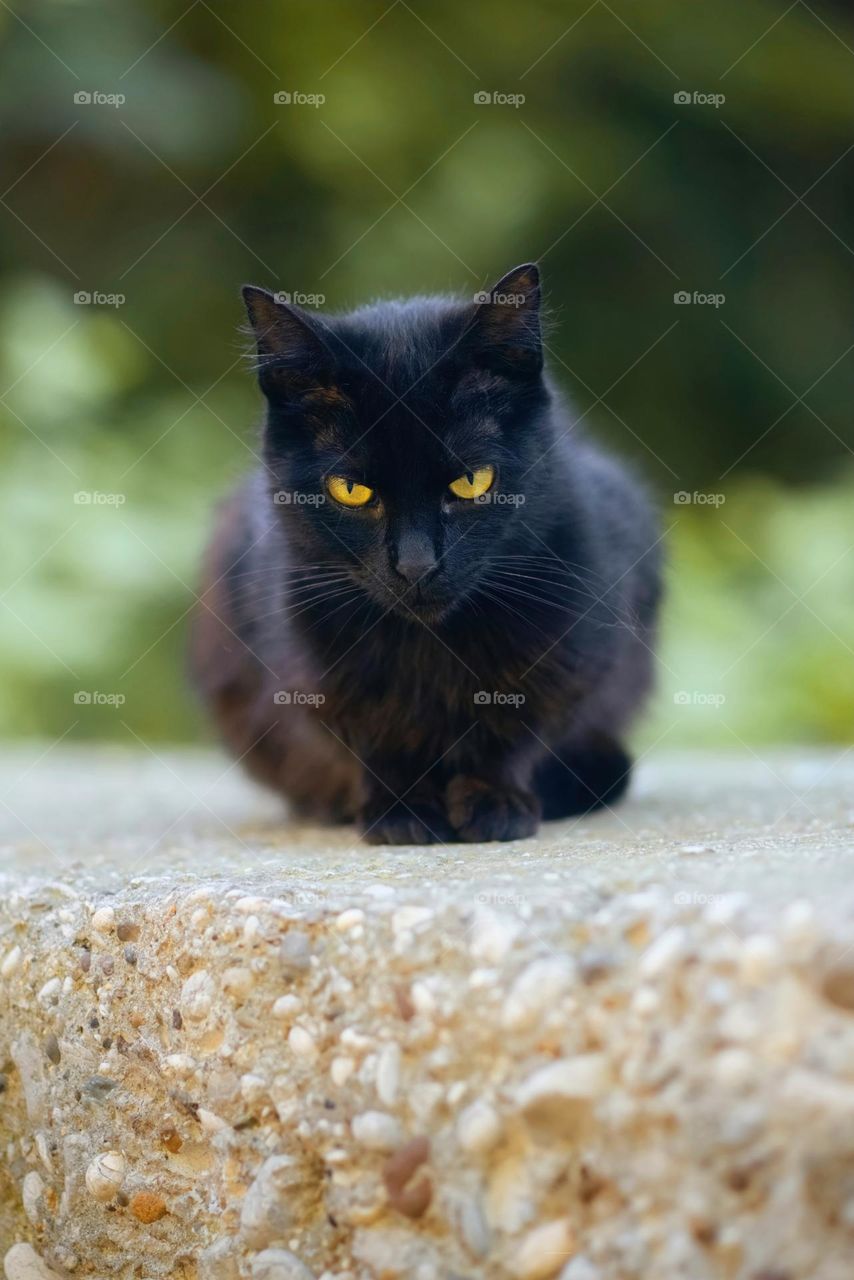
(436, 668)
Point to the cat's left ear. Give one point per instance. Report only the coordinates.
(291, 352)
(505, 329)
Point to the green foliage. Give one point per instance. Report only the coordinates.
(400, 182)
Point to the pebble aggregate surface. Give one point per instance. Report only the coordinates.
(236, 1049)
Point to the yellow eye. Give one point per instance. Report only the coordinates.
(349, 492)
(473, 484)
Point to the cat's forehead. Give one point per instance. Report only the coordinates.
(403, 348)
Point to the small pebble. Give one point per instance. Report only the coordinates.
(12, 963)
(23, 1263)
(197, 995)
(348, 919)
(252, 1087)
(478, 1127)
(302, 1042)
(584, 1077)
(181, 1063)
(99, 1087)
(147, 1206)
(52, 1050)
(388, 1074)
(474, 1228)
(237, 982)
(663, 953)
(377, 1130)
(103, 919)
(171, 1139)
(410, 918)
(31, 1194)
(408, 1196)
(279, 1264)
(127, 932)
(49, 993)
(759, 959)
(341, 1069)
(295, 952)
(543, 1251)
(536, 990)
(286, 1007)
(105, 1175)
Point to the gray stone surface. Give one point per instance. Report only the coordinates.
(234, 1048)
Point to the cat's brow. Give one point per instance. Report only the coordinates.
(460, 438)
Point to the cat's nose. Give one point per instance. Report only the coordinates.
(416, 558)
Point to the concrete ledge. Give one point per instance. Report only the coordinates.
(234, 1050)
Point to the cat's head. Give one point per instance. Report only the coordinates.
(404, 440)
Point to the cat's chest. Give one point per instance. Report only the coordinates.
(427, 684)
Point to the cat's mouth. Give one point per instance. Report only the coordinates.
(426, 603)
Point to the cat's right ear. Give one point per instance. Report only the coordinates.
(292, 356)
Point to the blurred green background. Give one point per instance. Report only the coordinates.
(401, 180)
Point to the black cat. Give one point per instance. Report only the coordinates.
(433, 608)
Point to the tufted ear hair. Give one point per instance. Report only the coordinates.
(505, 331)
(292, 356)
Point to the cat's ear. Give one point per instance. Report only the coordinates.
(505, 331)
(292, 355)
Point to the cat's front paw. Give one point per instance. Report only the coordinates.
(418, 823)
(480, 810)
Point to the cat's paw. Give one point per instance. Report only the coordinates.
(418, 823)
(480, 810)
